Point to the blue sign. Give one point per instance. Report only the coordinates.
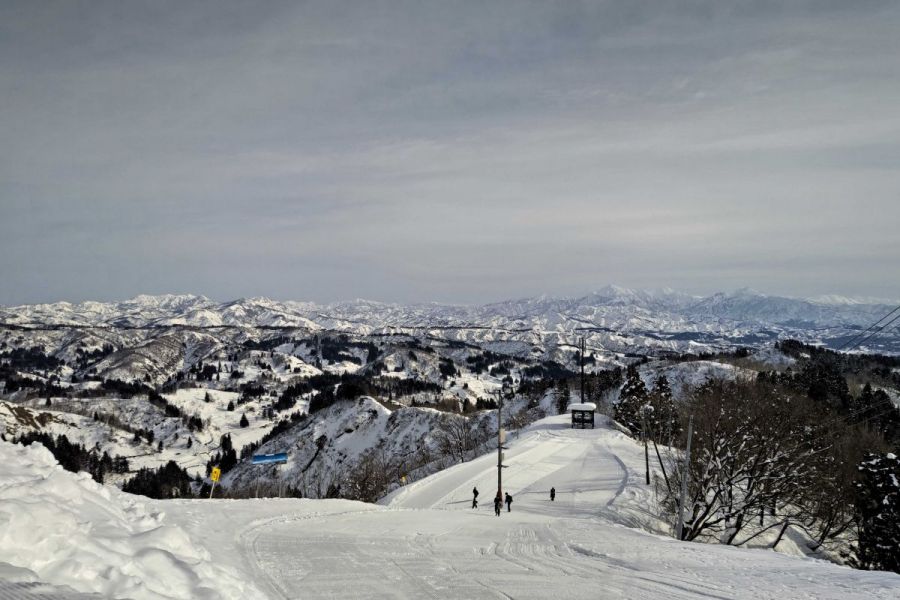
(268, 459)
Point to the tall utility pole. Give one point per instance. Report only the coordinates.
(582, 370)
(644, 435)
(500, 439)
(684, 479)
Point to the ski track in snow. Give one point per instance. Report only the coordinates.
(429, 543)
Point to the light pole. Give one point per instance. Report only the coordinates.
(501, 437)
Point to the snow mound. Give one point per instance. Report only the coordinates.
(69, 530)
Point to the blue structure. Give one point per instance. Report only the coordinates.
(270, 459)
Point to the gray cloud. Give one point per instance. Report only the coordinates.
(447, 151)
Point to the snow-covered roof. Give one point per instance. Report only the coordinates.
(583, 406)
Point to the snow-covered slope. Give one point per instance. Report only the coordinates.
(63, 528)
(431, 543)
(324, 447)
(424, 541)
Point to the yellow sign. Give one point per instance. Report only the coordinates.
(216, 473)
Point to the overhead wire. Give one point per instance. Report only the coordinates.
(876, 331)
(853, 339)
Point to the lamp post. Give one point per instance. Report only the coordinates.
(501, 438)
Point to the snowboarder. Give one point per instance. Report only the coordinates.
(552, 494)
(474, 497)
(508, 502)
(498, 502)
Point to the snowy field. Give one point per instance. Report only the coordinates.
(424, 541)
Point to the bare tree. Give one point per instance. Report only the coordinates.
(759, 459)
(369, 479)
(458, 437)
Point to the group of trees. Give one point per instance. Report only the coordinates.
(768, 454)
(226, 458)
(878, 513)
(279, 428)
(460, 437)
(650, 413)
(758, 462)
(30, 359)
(168, 481)
(822, 379)
(479, 363)
(75, 457)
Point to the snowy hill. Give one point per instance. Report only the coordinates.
(211, 365)
(65, 529)
(613, 317)
(424, 541)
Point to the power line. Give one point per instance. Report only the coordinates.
(866, 330)
(876, 331)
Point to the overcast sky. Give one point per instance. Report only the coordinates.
(447, 151)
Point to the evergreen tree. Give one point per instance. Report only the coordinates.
(226, 459)
(190, 442)
(231, 405)
(562, 396)
(244, 422)
(75, 457)
(169, 481)
(49, 402)
(876, 408)
(663, 418)
(632, 401)
(878, 513)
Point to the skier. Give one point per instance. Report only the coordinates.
(498, 502)
(552, 494)
(474, 497)
(508, 502)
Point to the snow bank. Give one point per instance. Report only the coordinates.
(69, 530)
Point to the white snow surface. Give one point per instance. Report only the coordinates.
(423, 541)
(583, 406)
(65, 529)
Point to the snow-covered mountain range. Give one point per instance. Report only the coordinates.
(613, 318)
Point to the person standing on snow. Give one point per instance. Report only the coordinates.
(508, 502)
(498, 502)
(474, 497)
(552, 494)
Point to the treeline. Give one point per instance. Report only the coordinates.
(875, 368)
(30, 359)
(328, 388)
(13, 382)
(596, 385)
(85, 358)
(785, 450)
(280, 427)
(168, 481)
(821, 375)
(550, 370)
(75, 457)
(479, 363)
